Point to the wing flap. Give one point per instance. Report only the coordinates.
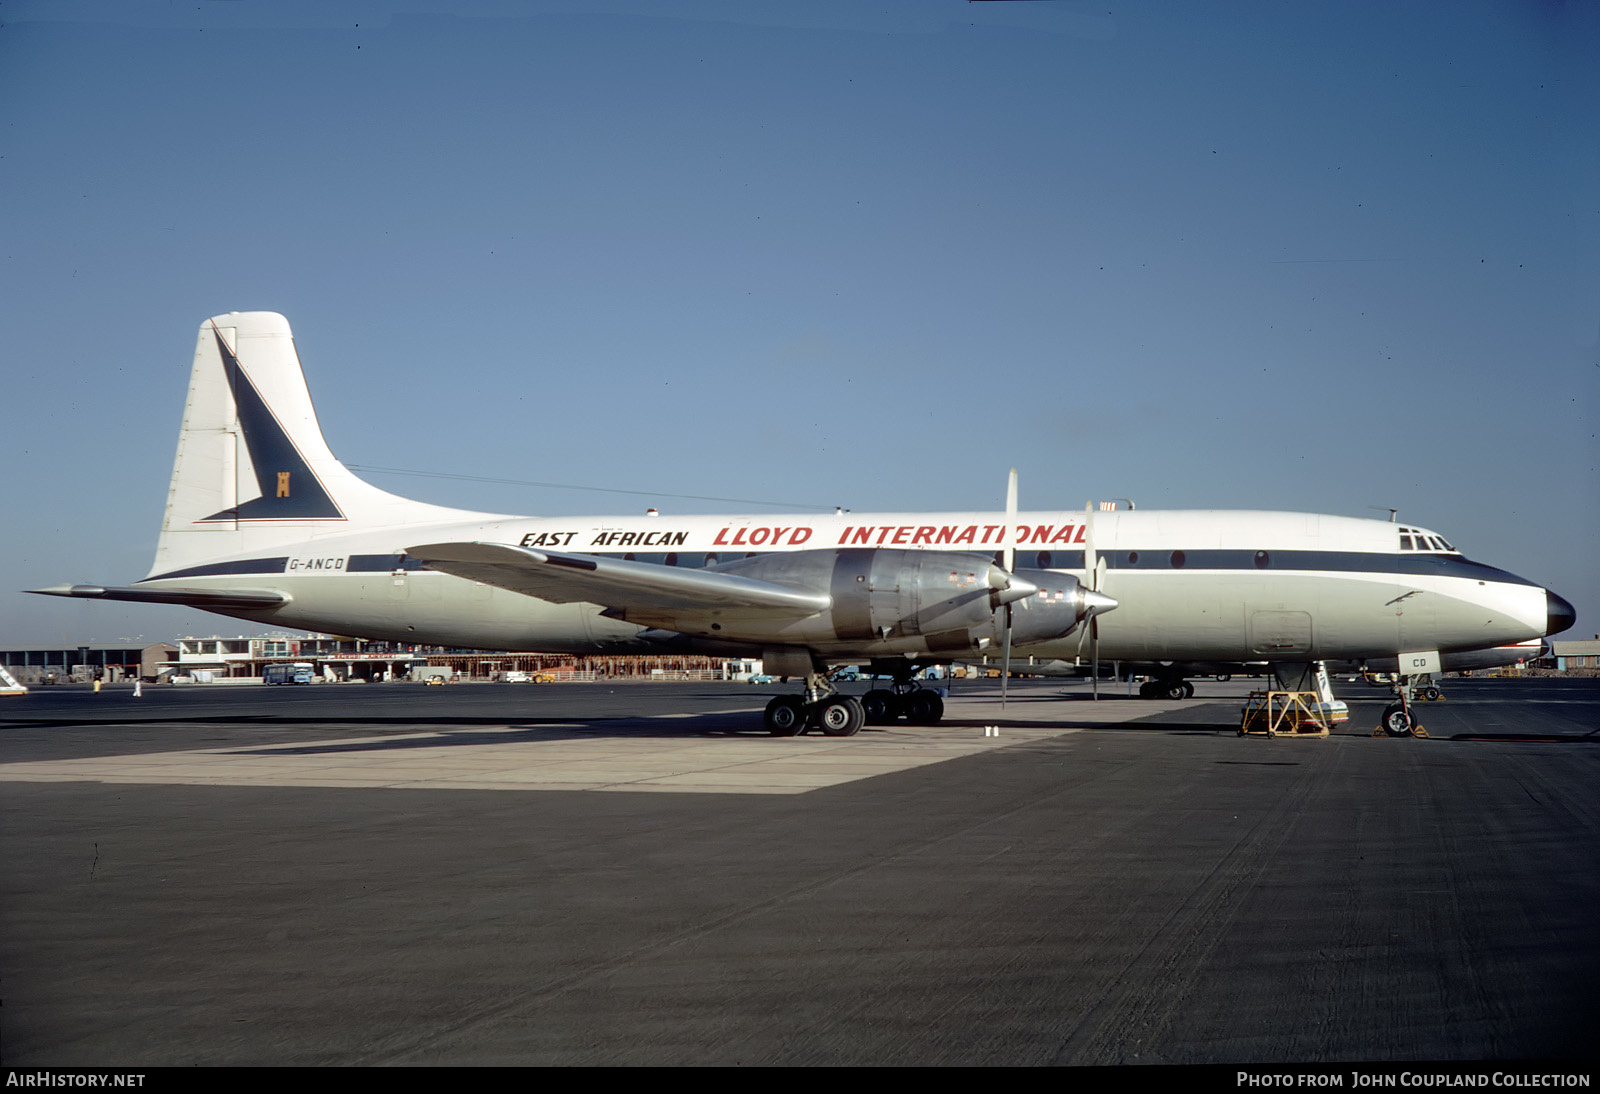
(637, 589)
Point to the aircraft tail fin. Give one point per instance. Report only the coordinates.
(253, 470)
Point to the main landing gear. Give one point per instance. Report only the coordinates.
(904, 699)
(823, 707)
(1168, 685)
(1166, 689)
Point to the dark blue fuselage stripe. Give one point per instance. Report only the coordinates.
(1348, 562)
(242, 566)
(376, 564)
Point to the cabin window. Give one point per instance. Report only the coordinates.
(1405, 544)
(1133, 558)
(1042, 560)
(711, 560)
(1263, 560)
(672, 558)
(628, 557)
(1178, 559)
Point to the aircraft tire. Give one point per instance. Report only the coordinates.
(878, 706)
(924, 708)
(1224, 677)
(1396, 722)
(1431, 694)
(1175, 691)
(841, 716)
(1188, 690)
(785, 716)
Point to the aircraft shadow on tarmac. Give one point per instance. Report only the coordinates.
(713, 725)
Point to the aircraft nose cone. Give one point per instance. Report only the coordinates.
(1561, 614)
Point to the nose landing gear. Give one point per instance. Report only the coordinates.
(1398, 719)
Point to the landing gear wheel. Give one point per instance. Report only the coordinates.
(1147, 690)
(1396, 722)
(924, 708)
(785, 716)
(841, 716)
(1188, 690)
(1224, 678)
(879, 706)
(1176, 691)
(1431, 694)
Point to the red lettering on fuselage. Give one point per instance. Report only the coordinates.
(910, 535)
(770, 535)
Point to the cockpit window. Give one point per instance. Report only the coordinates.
(1416, 539)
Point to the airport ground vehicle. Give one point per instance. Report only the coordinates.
(300, 672)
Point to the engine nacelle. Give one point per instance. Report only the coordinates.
(1056, 610)
(898, 601)
(881, 593)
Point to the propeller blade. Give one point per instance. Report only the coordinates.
(1011, 521)
(1091, 577)
(1005, 659)
(1010, 558)
(1094, 656)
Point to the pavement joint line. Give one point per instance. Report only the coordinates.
(530, 760)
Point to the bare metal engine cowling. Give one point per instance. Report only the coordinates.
(897, 601)
(1055, 611)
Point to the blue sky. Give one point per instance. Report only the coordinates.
(1313, 256)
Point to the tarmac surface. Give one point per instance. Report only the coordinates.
(635, 874)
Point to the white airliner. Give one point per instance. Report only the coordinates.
(263, 523)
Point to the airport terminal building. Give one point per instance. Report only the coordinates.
(332, 660)
(85, 664)
(1582, 653)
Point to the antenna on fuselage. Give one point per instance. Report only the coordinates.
(1385, 509)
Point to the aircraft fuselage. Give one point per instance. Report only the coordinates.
(1197, 585)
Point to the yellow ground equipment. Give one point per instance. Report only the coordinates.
(1283, 714)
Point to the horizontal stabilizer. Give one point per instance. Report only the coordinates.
(638, 589)
(211, 599)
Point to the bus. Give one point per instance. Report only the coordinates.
(297, 673)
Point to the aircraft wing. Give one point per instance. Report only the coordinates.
(638, 590)
(210, 599)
